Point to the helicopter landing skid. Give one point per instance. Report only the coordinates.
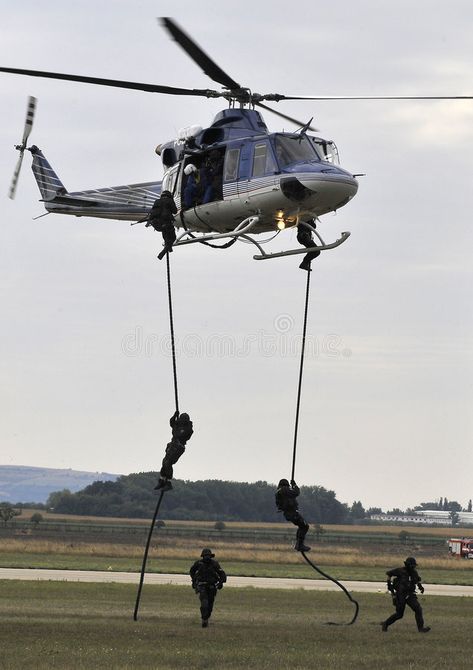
(244, 227)
(303, 250)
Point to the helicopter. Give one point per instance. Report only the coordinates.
(262, 182)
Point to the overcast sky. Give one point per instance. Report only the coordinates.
(85, 373)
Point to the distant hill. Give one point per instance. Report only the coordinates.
(22, 483)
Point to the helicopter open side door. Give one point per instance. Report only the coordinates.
(170, 181)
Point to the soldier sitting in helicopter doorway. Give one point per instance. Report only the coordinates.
(161, 218)
(305, 237)
(192, 189)
(212, 177)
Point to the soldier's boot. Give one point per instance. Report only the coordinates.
(424, 629)
(205, 623)
(164, 484)
(300, 546)
(162, 254)
(305, 265)
(384, 627)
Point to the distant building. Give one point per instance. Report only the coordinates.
(426, 517)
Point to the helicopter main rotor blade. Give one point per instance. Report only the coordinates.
(276, 97)
(30, 110)
(199, 56)
(150, 88)
(299, 124)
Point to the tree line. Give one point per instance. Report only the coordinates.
(133, 496)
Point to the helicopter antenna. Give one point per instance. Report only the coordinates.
(306, 127)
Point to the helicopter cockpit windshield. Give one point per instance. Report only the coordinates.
(294, 149)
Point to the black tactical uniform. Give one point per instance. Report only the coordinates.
(403, 586)
(161, 218)
(304, 237)
(286, 502)
(182, 430)
(207, 576)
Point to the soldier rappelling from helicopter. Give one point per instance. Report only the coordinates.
(182, 431)
(305, 237)
(161, 218)
(286, 502)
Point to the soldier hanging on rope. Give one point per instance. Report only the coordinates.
(286, 502)
(161, 218)
(207, 577)
(305, 237)
(182, 430)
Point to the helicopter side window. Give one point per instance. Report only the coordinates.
(230, 171)
(332, 153)
(263, 161)
(326, 149)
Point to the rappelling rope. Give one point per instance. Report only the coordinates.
(171, 328)
(301, 368)
(145, 558)
(296, 427)
(340, 585)
(176, 398)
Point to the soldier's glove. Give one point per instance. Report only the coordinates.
(293, 483)
(219, 586)
(421, 588)
(390, 587)
(147, 224)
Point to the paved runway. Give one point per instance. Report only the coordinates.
(255, 582)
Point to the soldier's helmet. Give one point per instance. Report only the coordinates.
(166, 194)
(283, 482)
(206, 553)
(184, 416)
(410, 562)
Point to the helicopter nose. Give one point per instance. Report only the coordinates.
(326, 189)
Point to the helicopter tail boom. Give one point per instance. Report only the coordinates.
(129, 202)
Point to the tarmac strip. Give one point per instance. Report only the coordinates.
(184, 580)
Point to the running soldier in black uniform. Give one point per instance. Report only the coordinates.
(207, 577)
(402, 583)
(182, 430)
(286, 502)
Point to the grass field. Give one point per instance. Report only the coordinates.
(175, 555)
(46, 625)
(438, 531)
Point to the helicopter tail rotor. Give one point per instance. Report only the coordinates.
(21, 147)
